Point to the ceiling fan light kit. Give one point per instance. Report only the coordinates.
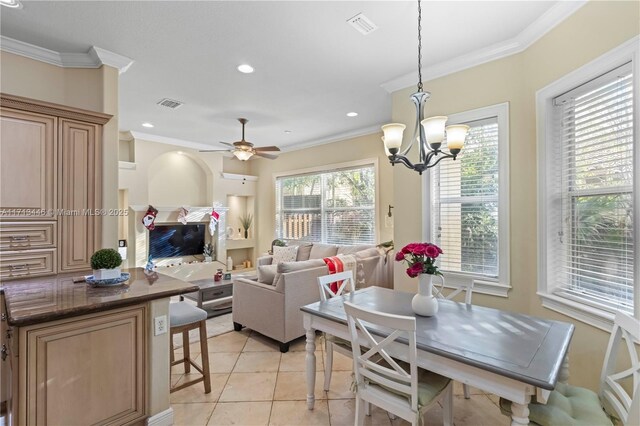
(244, 150)
(430, 133)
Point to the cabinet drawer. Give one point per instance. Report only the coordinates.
(24, 236)
(27, 263)
(217, 293)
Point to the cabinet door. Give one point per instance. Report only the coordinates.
(79, 228)
(84, 371)
(28, 179)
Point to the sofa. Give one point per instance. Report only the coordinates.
(270, 304)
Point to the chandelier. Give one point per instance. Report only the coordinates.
(430, 133)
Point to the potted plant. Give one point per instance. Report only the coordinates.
(421, 258)
(106, 264)
(246, 223)
(208, 252)
(277, 243)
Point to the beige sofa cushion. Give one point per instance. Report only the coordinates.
(353, 249)
(285, 267)
(370, 252)
(304, 250)
(320, 251)
(266, 273)
(284, 254)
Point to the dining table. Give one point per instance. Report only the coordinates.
(512, 355)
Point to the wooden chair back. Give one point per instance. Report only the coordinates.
(467, 287)
(613, 394)
(367, 371)
(345, 284)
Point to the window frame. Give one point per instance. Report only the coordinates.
(328, 168)
(594, 314)
(499, 286)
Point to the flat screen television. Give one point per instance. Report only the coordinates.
(176, 240)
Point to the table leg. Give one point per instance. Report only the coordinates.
(563, 375)
(311, 367)
(520, 413)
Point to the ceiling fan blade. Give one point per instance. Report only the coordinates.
(214, 150)
(265, 155)
(267, 148)
(226, 143)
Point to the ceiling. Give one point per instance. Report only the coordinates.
(311, 67)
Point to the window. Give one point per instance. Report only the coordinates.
(336, 207)
(587, 237)
(469, 203)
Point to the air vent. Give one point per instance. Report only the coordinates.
(170, 103)
(362, 24)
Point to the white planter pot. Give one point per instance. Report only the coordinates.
(106, 274)
(424, 303)
(208, 259)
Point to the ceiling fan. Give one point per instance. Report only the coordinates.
(244, 150)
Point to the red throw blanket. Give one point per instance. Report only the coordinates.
(338, 264)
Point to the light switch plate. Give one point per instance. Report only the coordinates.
(159, 325)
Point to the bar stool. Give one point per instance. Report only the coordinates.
(184, 317)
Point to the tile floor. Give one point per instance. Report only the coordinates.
(252, 383)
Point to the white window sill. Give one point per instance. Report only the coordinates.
(480, 285)
(595, 317)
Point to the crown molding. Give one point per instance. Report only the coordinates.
(532, 33)
(94, 58)
(334, 138)
(170, 141)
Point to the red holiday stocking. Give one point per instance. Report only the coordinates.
(149, 218)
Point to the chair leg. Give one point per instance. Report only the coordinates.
(328, 348)
(447, 406)
(465, 389)
(359, 420)
(172, 356)
(187, 355)
(204, 348)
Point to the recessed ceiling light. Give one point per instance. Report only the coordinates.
(15, 4)
(245, 68)
(149, 125)
(352, 114)
(287, 131)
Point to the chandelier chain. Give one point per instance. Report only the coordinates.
(419, 47)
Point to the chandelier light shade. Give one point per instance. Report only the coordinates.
(430, 133)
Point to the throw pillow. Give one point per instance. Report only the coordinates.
(320, 251)
(285, 267)
(284, 254)
(266, 273)
(304, 250)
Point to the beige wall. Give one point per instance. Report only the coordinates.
(591, 31)
(364, 147)
(92, 89)
(176, 179)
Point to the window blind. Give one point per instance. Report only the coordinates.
(595, 247)
(465, 204)
(336, 207)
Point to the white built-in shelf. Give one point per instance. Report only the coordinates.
(240, 244)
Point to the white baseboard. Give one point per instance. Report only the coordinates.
(163, 418)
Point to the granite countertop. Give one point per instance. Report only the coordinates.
(42, 299)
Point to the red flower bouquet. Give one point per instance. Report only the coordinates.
(421, 258)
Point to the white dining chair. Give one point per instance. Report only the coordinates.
(331, 342)
(573, 405)
(467, 287)
(398, 387)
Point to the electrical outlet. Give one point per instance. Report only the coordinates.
(160, 325)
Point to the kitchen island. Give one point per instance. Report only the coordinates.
(78, 354)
